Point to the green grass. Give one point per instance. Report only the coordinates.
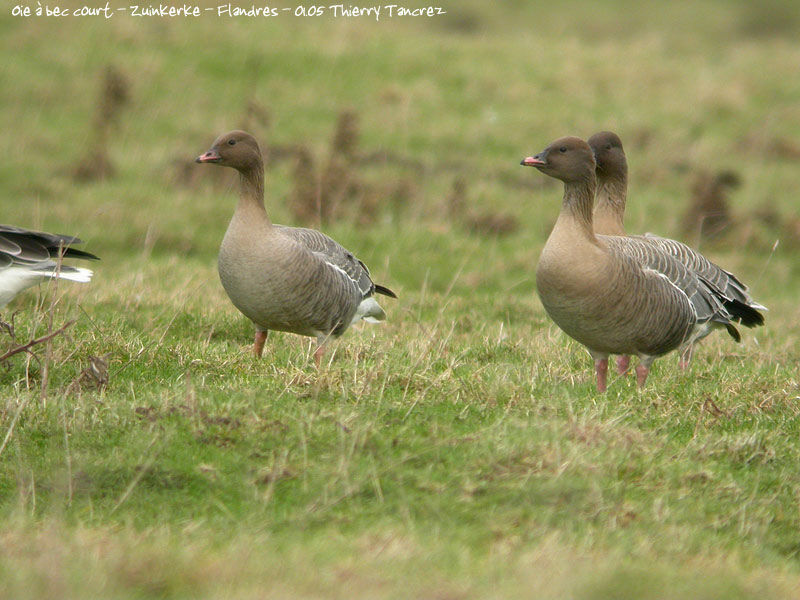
(459, 450)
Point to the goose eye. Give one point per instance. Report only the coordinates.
(562, 149)
(608, 146)
(231, 142)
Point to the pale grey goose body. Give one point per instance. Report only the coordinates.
(285, 278)
(609, 212)
(29, 257)
(615, 295)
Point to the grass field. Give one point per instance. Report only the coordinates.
(459, 450)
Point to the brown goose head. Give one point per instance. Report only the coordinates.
(569, 159)
(609, 155)
(236, 149)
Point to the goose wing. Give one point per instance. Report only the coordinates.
(735, 294)
(24, 246)
(334, 255)
(706, 302)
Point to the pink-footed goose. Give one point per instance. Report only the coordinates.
(29, 257)
(286, 278)
(609, 212)
(614, 295)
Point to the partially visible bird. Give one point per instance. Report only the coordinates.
(30, 257)
(609, 213)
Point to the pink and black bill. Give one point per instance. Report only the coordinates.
(212, 156)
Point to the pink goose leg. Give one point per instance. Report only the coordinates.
(258, 344)
(601, 369)
(623, 363)
(641, 374)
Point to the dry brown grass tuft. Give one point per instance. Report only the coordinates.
(340, 185)
(257, 120)
(114, 95)
(304, 199)
(344, 190)
(481, 223)
(709, 213)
